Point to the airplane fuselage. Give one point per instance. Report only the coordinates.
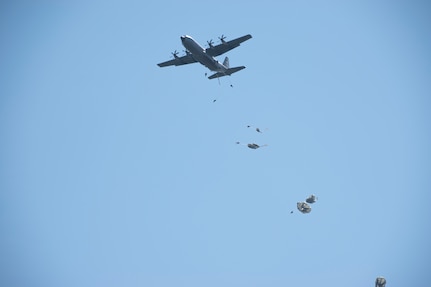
(195, 53)
(199, 54)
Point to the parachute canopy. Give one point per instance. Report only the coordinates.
(380, 282)
(303, 207)
(253, 146)
(311, 199)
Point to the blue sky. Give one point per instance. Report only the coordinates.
(115, 172)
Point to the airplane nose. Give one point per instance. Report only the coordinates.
(182, 37)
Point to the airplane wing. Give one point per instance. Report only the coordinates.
(178, 61)
(226, 46)
(228, 72)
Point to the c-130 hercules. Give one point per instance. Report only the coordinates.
(197, 53)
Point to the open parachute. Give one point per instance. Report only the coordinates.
(311, 199)
(304, 206)
(252, 145)
(380, 281)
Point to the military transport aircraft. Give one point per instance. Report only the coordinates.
(196, 53)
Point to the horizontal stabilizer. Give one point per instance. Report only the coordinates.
(228, 72)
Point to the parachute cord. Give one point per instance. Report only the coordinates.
(220, 93)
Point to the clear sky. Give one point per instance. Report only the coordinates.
(115, 172)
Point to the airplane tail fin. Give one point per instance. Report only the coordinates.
(226, 62)
(228, 72)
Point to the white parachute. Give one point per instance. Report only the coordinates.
(380, 281)
(304, 206)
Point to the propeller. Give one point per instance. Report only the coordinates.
(175, 54)
(210, 43)
(222, 37)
